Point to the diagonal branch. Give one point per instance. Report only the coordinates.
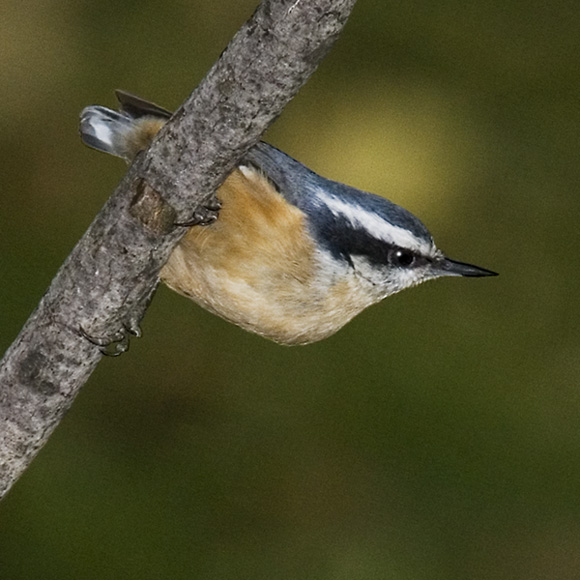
(105, 284)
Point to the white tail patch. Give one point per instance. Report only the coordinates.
(104, 129)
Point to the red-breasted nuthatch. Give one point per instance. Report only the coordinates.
(293, 256)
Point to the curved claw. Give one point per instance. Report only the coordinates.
(117, 348)
(132, 327)
(213, 204)
(115, 344)
(206, 215)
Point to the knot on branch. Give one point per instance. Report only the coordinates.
(147, 206)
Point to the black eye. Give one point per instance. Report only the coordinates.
(404, 258)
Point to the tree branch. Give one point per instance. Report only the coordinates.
(105, 284)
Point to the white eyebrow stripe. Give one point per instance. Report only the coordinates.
(374, 224)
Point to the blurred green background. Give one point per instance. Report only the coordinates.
(437, 436)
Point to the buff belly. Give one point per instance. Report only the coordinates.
(257, 267)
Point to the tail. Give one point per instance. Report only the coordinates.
(122, 133)
(105, 130)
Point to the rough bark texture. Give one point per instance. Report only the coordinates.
(104, 286)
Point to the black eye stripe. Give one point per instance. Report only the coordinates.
(346, 242)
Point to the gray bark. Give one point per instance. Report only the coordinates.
(105, 284)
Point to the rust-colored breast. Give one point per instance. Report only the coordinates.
(254, 265)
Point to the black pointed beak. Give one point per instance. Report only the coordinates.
(448, 267)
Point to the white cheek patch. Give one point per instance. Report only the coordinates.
(383, 283)
(376, 226)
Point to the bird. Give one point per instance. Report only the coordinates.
(292, 256)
